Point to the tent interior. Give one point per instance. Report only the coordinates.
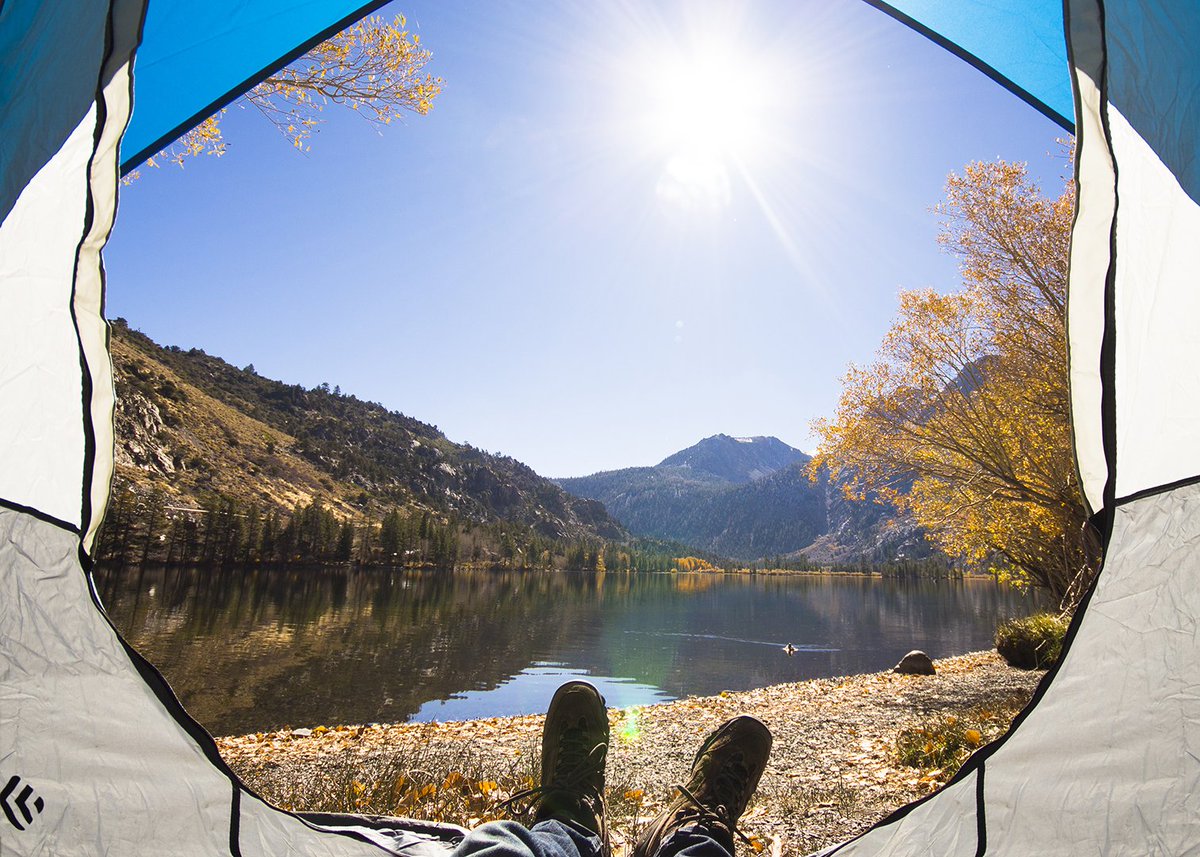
(100, 757)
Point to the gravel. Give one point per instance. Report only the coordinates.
(832, 771)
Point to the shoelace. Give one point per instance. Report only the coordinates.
(577, 762)
(719, 814)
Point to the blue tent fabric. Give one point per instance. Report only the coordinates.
(44, 97)
(197, 57)
(1159, 97)
(1018, 43)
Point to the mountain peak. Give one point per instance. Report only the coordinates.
(737, 459)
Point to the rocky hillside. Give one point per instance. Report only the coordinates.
(865, 533)
(193, 426)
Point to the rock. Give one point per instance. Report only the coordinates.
(140, 437)
(301, 733)
(915, 662)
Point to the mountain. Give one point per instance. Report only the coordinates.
(744, 498)
(736, 459)
(865, 532)
(751, 499)
(193, 427)
(214, 462)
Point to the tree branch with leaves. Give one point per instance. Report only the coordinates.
(963, 419)
(375, 68)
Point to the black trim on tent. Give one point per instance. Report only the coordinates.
(974, 61)
(980, 816)
(40, 515)
(975, 764)
(1161, 489)
(254, 79)
(89, 428)
(89, 218)
(235, 822)
(204, 741)
(1108, 345)
(386, 824)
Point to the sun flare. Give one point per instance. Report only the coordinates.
(709, 103)
(706, 117)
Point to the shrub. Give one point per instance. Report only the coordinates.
(1032, 643)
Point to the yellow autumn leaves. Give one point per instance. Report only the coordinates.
(375, 68)
(963, 419)
(940, 746)
(691, 563)
(456, 797)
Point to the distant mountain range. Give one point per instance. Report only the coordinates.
(194, 430)
(750, 498)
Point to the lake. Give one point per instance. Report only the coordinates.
(255, 649)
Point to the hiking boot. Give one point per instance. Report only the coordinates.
(574, 748)
(724, 776)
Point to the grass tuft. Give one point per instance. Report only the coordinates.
(940, 746)
(459, 784)
(1032, 643)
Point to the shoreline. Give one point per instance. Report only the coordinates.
(120, 566)
(832, 772)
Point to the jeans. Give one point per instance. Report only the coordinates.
(567, 839)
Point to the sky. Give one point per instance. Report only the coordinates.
(624, 227)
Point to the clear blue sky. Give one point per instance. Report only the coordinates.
(579, 258)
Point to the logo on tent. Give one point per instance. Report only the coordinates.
(21, 803)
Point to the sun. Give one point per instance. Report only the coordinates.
(710, 102)
(706, 113)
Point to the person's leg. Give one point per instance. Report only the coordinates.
(550, 838)
(701, 822)
(574, 751)
(569, 803)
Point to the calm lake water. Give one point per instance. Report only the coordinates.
(256, 649)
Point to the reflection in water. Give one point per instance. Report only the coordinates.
(255, 649)
(537, 682)
(775, 644)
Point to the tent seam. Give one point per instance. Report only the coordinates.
(251, 81)
(1186, 482)
(1108, 346)
(86, 384)
(976, 63)
(235, 821)
(40, 515)
(980, 815)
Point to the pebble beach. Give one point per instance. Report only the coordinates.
(833, 769)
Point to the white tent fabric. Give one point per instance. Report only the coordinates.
(96, 754)
(98, 757)
(1107, 758)
(92, 731)
(56, 356)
